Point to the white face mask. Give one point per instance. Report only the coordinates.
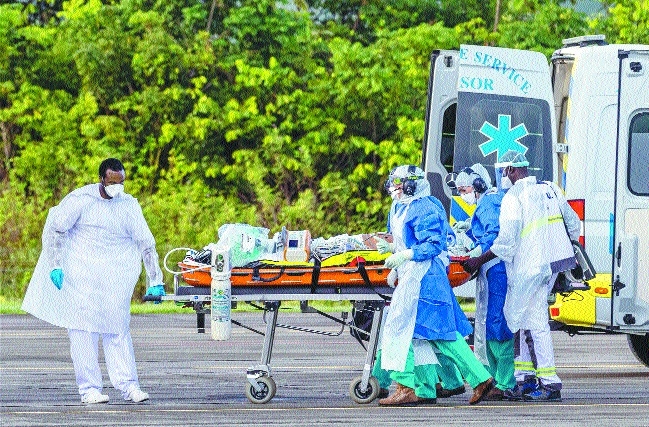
(114, 190)
(506, 183)
(469, 198)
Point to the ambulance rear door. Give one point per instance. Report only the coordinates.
(439, 133)
(630, 302)
(504, 102)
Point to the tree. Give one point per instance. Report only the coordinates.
(627, 21)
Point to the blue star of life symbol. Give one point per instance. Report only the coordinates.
(502, 138)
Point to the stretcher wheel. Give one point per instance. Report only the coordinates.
(267, 392)
(370, 394)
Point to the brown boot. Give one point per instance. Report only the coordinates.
(403, 396)
(394, 396)
(481, 391)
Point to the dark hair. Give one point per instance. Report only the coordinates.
(112, 164)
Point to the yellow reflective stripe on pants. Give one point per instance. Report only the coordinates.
(524, 366)
(539, 223)
(546, 372)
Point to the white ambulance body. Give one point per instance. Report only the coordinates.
(482, 100)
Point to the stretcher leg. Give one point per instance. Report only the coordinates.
(261, 387)
(200, 317)
(365, 388)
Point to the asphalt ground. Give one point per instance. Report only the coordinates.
(195, 381)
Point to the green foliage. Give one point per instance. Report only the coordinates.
(627, 22)
(255, 111)
(541, 28)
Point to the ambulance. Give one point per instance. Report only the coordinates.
(582, 120)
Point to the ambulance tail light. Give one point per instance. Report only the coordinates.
(579, 206)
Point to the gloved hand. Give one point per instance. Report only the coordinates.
(395, 260)
(56, 275)
(392, 278)
(156, 291)
(461, 226)
(477, 251)
(383, 246)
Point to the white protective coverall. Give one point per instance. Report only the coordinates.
(99, 244)
(535, 247)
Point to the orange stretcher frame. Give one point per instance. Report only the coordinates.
(300, 275)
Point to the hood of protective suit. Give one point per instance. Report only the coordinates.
(414, 175)
(468, 175)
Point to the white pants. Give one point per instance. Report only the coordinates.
(534, 352)
(119, 356)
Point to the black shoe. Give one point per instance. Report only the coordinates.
(427, 401)
(444, 393)
(383, 393)
(520, 389)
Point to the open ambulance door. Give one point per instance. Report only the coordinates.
(439, 132)
(630, 301)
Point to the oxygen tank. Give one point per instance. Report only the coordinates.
(221, 325)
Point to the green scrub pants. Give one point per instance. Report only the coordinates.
(421, 378)
(448, 373)
(462, 356)
(501, 363)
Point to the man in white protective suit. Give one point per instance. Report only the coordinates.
(536, 225)
(94, 243)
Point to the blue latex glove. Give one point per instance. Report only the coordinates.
(383, 246)
(156, 291)
(56, 275)
(395, 260)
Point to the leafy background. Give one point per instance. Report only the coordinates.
(271, 113)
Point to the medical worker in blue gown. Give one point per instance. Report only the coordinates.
(423, 310)
(493, 341)
(94, 243)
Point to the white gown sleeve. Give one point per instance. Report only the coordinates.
(152, 266)
(146, 245)
(60, 219)
(506, 243)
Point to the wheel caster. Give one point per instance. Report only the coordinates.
(369, 395)
(267, 392)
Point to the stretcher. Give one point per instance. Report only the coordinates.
(365, 286)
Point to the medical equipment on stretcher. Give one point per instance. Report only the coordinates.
(297, 248)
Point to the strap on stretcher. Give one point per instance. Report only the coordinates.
(366, 279)
(315, 276)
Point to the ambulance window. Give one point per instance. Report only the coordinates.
(638, 171)
(488, 124)
(448, 137)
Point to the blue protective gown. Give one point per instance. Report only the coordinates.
(425, 229)
(484, 230)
